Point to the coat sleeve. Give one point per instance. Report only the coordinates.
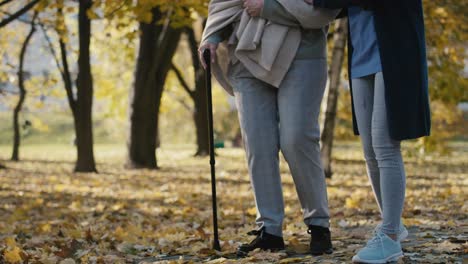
(219, 36)
(343, 13)
(335, 4)
(332, 3)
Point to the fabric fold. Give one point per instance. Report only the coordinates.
(265, 49)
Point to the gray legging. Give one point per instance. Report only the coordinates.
(383, 154)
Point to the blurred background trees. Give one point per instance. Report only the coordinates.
(110, 72)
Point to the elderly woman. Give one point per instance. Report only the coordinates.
(277, 72)
(388, 76)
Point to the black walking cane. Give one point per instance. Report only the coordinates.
(207, 58)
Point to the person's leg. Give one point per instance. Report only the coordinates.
(363, 99)
(299, 100)
(390, 162)
(384, 245)
(258, 116)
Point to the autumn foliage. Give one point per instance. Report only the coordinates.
(117, 216)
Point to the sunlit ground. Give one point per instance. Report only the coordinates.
(49, 214)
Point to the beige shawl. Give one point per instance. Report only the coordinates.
(264, 48)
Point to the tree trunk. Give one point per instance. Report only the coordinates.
(158, 43)
(22, 92)
(198, 96)
(338, 53)
(200, 115)
(84, 100)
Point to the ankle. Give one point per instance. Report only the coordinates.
(318, 228)
(394, 237)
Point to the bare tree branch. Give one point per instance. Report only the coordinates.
(51, 48)
(63, 66)
(182, 102)
(182, 81)
(20, 19)
(67, 75)
(5, 2)
(118, 8)
(18, 13)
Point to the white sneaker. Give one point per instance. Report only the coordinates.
(380, 249)
(402, 235)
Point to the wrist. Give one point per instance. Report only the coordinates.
(214, 39)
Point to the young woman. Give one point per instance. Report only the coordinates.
(388, 76)
(277, 73)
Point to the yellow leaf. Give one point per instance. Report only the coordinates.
(352, 203)
(252, 211)
(13, 255)
(10, 242)
(91, 14)
(18, 214)
(291, 260)
(75, 233)
(120, 234)
(217, 261)
(45, 228)
(451, 223)
(38, 202)
(411, 222)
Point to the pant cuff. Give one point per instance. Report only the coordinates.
(273, 230)
(323, 222)
(389, 231)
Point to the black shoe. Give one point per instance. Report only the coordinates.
(263, 241)
(320, 241)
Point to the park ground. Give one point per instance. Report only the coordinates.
(50, 215)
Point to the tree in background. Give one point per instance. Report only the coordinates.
(81, 100)
(198, 94)
(79, 97)
(158, 43)
(84, 98)
(22, 91)
(160, 33)
(335, 80)
(4, 22)
(446, 35)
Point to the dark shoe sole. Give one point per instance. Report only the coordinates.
(242, 254)
(319, 253)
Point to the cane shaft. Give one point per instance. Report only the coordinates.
(207, 58)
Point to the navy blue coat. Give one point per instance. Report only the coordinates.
(399, 26)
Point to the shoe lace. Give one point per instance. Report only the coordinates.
(258, 232)
(375, 241)
(259, 236)
(377, 229)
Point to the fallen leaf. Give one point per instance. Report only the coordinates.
(13, 255)
(67, 261)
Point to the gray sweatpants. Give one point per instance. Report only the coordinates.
(383, 154)
(283, 118)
